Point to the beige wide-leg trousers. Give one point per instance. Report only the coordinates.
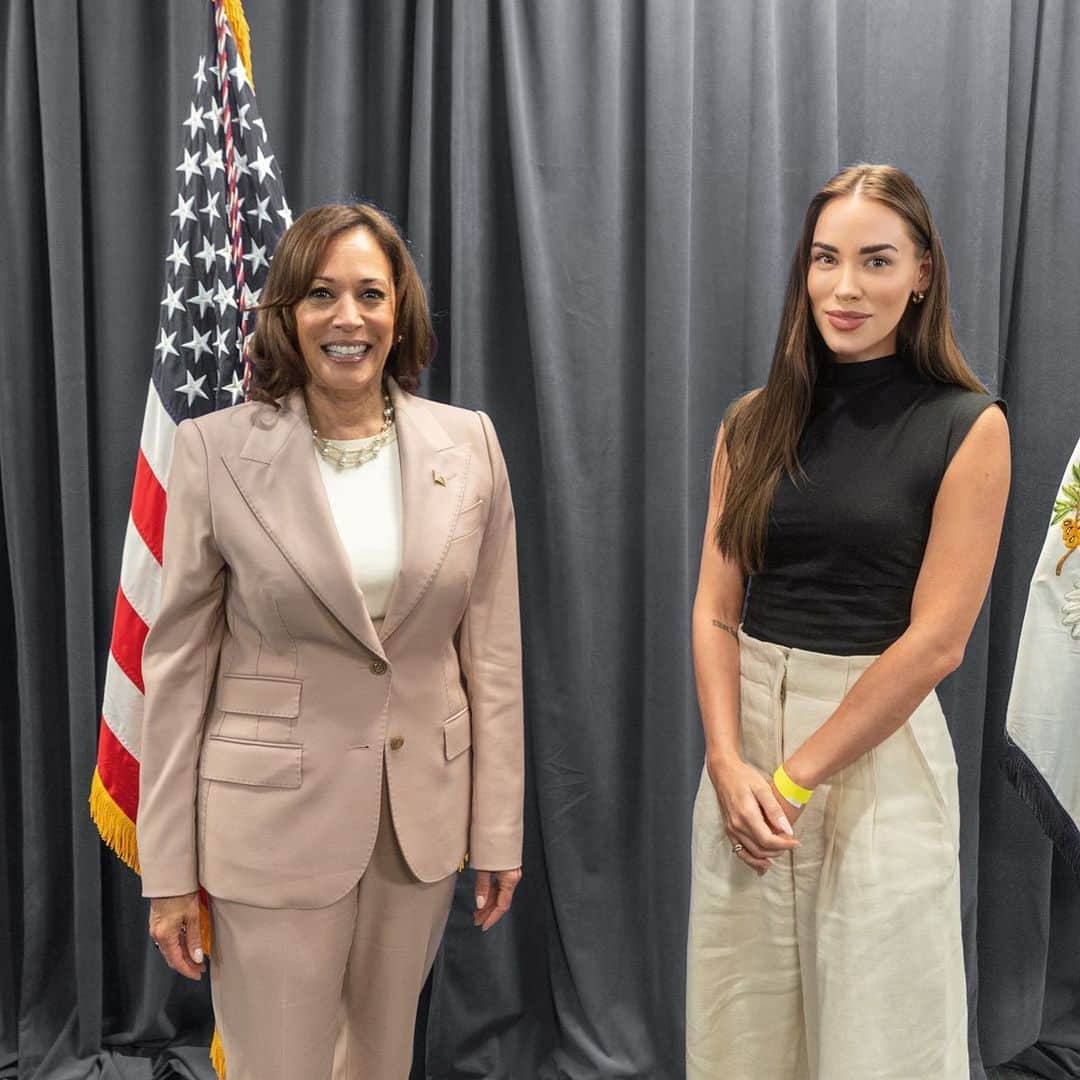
(291, 985)
(845, 961)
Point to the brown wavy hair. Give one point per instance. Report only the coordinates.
(762, 428)
(277, 365)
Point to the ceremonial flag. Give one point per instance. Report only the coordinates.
(230, 212)
(1042, 757)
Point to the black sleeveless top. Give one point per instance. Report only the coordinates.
(844, 548)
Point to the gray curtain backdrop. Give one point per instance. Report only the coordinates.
(603, 197)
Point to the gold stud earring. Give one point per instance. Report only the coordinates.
(918, 297)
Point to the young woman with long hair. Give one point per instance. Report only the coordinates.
(855, 509)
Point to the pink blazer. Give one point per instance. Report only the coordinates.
(273, 706)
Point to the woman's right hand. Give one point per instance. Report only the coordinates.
(752, 816)
(174, 928)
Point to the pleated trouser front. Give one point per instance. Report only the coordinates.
(845, 961)
(314, 993)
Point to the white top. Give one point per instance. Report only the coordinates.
(366, 504)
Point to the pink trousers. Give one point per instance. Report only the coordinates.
(329, 992)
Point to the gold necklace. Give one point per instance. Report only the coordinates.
(352, 457)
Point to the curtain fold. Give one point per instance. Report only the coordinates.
(603, 198)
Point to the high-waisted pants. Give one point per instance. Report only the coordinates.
(845, 960)
(292, 986)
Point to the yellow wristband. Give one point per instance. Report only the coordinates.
(796, 795)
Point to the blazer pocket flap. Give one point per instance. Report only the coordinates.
(258, 695)
(242, 761)
(457, 732)
(469, 519)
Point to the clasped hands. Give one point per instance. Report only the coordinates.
(757, 818)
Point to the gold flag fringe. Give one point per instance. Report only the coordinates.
(217, 1055)
(206, 927)
(116, 828)
(234, 12)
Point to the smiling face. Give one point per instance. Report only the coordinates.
(864, 267)
(345, 322)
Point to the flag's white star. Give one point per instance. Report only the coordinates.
(239, 73)
(236, 387)
(216, 70)
(178, 257)
(250, 296)
(242, 166)
(286, 215)
(198, 343)
(173, 300)
(208, 254)
(193, 121)
(183, 212)
(257, 257)
(261, 126)
(213, 116)
(225, 252)
(221, 342)
(211, 209)
(193, 388)
(213, 161)
(259, 213)
(200, 75)
(224, 298)
(261, 165)
(189, 167)
(204, 297)
(241, 117)
(165, 344)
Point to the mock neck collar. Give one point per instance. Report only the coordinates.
(860, 372)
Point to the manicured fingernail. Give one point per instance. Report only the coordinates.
(198, 955)
(786, 826)
(480, 900)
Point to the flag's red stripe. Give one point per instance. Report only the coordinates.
(119, 772)
(148, 506)
(128, 635)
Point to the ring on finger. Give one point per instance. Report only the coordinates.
(736, 849)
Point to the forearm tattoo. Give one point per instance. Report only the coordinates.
(724, 626)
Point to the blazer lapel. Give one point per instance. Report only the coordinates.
(433, 473)
(278, 477)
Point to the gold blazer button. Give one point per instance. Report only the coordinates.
(397, 742)
(378, 667)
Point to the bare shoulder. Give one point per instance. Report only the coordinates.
(986, 444)
(734, 413)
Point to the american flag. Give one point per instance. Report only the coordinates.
(230, 212)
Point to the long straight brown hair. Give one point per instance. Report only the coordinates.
(762, 429)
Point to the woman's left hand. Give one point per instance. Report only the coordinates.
(494, 893)
(792, 813)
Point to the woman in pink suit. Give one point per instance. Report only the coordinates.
(333, 681)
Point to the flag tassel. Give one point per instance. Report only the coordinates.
(217, 1055)
(234, 12)
(116, 828)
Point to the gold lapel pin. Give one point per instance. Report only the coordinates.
(438, 478)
